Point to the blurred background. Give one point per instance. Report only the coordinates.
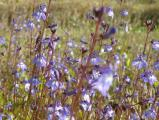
(68, 10)
(70, 15)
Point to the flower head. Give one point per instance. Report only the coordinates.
(156, 65)
(148, 77)
(155, 45)
(139, 62)
(150, 114)
(2, 40)
(124, 13)
(104, 81)
(40, 60)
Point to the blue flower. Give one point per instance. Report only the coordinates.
(155, 45)
(2, 40)
(139, 63)
(108, 112)
(96, 61)
(109, 33)
(86, 101)
(156, 65)
(30, 25)
(109, 11)
(42, 8)
(63, 112)
(22, 66)
(150, 114)
(148, 77)
(104, 81)
(54, 85)
(40, 13)
(108, 48)
(40, 60)
(86, 106)
(124, 13)
(34, 81)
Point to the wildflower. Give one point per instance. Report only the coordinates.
(63, 112)
(108, 48)
(104, 81)
(2, 40)
(30, 25)
(155, 45)
(54, 85)
(139, 63)
(156, 65)
(96, 61)
(148, 77)
(108, 112)
(150, 114)
(86, 102)
(124, 13)
(22, 66)
(127, 79)
(39, 60)
(109, 12)
(117, 58)
(111, 31)
(34, 81)
(40, 13)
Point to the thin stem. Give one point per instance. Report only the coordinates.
(146, 42)
(84, 69)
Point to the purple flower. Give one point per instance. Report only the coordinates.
(86, 102)
(108, 48)
(34, 81)
(124, 13)
(30, 25)
(63, 112)
(109, 33)
(22, 66)
(108, 113)
(139, 63)
(155, 45)
(104, 81)
(150, 114)
(127, 79)
(42, 8)
(156, 65)
(54, 85)
(40, 13)
(109, 12)
(86, 106)
(40, 60)
(96, 61)
(2, 40)
(117, 58)
(148, 77)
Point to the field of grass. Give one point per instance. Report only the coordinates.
(79, 60)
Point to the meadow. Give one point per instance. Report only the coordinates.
(79, 60)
